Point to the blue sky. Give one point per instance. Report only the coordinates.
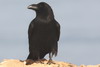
(80, 29)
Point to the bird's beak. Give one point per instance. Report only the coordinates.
(34, 7)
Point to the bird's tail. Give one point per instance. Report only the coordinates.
(55, 50)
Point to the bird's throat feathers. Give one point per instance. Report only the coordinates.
(45, 15)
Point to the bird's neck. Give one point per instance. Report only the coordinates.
(45, 15)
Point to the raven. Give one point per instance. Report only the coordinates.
(43, 32)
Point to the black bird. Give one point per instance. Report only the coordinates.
(43, 32)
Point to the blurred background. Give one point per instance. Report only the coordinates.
(80, 29)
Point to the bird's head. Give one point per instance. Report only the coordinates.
(42, 9)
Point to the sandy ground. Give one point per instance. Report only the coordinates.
(41, 63)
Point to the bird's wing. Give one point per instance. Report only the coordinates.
(30, 32)
(58, 30)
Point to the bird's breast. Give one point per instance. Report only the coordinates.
(45, 30)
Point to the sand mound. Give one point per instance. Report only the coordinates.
(18, 63)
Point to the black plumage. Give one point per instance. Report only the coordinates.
(43, 32)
